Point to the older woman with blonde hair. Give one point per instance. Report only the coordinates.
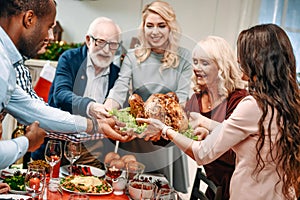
(157, 65)
(218, 88)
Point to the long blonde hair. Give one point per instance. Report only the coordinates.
(219, 51)
(142, 51)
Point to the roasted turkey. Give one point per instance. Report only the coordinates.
(164, 107)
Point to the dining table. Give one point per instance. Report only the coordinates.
(65, 196)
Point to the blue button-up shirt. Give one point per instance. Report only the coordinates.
(26, 110)
(16, 148)
(7, 75)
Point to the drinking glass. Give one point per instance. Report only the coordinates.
(167, 194)
(72, 152)
(112, 171)
(53, 153)
(134, 169)
(35, 181)
(79, 197)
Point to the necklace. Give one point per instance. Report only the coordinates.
(207, 103)
(215, 104)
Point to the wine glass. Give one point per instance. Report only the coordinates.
(72, 152)
(134, 169)
(35, 181)
(113, 171)
(53, 153)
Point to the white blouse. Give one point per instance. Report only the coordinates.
(240, 132)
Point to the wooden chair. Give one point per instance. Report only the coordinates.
(197, 194)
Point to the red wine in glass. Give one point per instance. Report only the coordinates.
(113, 172)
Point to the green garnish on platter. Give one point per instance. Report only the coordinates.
(16, 182)
(124, 116)
(189, 133)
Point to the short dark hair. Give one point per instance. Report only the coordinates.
(9, 8)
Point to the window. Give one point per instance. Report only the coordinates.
(286, 14)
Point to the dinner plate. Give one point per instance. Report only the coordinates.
(5, 173)
(104, 193)
(88, 193)
(10, 172)
(95, 171)
(17, 192)
(14, 196)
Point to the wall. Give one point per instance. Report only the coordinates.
(198, 18)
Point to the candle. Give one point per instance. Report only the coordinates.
(34, 183)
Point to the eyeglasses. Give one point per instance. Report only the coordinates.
(102, 43)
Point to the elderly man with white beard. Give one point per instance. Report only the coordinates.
(83, 79)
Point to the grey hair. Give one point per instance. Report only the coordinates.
(100, 20)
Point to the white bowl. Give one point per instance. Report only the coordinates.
(134, 189)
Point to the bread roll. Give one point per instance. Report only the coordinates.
(110, 156)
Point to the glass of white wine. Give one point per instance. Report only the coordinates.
(53, 154)
(72, 152)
